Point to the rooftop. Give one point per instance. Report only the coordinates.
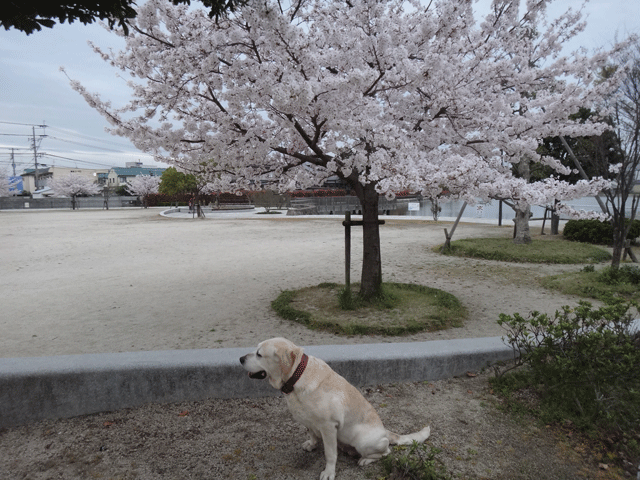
(135, 171)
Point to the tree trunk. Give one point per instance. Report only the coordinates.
(619, 237)
(555, 223)
(522, 233)
(371, 278)
(555, 219)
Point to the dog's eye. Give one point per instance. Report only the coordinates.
(258, 355)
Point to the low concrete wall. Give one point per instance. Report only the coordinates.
(38, 388)
(221, 208)
(18, 203)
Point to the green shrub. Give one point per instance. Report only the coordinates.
(595, 231)
(583, 363)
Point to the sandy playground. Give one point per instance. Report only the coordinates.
(94, 281)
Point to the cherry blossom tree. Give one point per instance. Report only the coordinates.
(73, 185)
(622, 199)
(387, 95)
(143, 185)
(5, 183)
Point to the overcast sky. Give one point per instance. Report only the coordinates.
(34, 92)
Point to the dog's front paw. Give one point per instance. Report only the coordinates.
(366, 461)
(309, 445)
(328, 474)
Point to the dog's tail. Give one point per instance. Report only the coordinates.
(421, 436)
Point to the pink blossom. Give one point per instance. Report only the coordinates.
(394, 93)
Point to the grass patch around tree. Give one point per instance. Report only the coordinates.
(401, 309)
(598, 284)
(547, 250)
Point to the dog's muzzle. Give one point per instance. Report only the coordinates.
(261, 375)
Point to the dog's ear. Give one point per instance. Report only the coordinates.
(288, 360)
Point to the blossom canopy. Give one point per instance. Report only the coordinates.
(388, 95)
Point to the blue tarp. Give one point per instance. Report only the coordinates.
(15, 184)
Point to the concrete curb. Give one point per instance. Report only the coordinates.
(38, 388)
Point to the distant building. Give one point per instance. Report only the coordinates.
(45, 174)
(103, 178)
(118, 176)
(112, 177)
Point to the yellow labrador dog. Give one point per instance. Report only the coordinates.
(330, 407)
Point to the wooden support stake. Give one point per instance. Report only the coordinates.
(448, 236)
(347, 250)
(628, 251)
(544, 220)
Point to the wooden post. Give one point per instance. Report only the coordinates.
(628, 251)
(544, 220)
(347, 250)
(448, 236)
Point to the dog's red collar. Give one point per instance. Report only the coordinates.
(288, 386)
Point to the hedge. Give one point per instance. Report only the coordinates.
(595, 231)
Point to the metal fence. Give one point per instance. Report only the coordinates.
(422, 207)
(340, 205)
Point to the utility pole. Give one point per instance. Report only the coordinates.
(35, 158)
(13, 163)
(35, 151)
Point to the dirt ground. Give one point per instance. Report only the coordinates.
(122, 280)
(258, 439)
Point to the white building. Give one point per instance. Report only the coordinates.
(45, 174)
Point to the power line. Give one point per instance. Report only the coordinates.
(19, 135)
(76, 160)
(68, 132)
(86, 137)
(94, 147)
(83, 144)
(22, 124)
(7, 163)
